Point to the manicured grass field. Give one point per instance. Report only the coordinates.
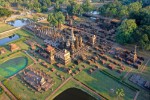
(5, 27)
(20, 90)
(144, 94)
(20, 32)
(71, 84)
(12, 66)
(5, 62)
(103, 84)
(4, 96)
(25, 92)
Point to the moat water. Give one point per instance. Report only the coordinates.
(74, 94)
(19, 22)
(6, 40)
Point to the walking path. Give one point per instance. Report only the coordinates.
(2, 34)
(30, 56)
(127, 73)
(8, 92)
(48, 98)
(142, 69)
(80, 83)
(136, 95)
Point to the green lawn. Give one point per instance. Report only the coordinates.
(21, 32)
(9, 63)
(71, 84)
(20, 42)
(20, 90)
(144, 94)
(12, 66)
(5, 27)
(14, 55)
(103, 84)
(4, 96)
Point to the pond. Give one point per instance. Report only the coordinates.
(94, 12)
(19, 22)
(12, 66)
(11, 38)
(74, 94)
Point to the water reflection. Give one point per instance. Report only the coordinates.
(19, 22)
(74, 94)
(9, 39)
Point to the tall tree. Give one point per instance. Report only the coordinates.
(87, 7)
(142, 37)
(135, 7)
(125, 30)
(56, 19)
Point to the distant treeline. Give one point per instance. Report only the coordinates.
(135, 26)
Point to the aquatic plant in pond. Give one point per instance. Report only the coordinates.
(12, 66)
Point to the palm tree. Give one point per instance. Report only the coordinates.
(120, 93)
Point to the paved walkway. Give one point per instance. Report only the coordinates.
(142, 69)
(30, 56)
(48, 98)
(80, 83)
(8, 92)
(127, 73)
(136, 95)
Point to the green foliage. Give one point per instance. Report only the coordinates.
(134, 7)
(118, 10)
(120, 93)
(74, 9)
(5, 12)
(145, 2)
(142, 36)
(56, 18)
(142, 17)
(44, 9)
(35, 18)
(120, 81)
(130, 31)
(1, 90)
(78, 9)
(115, 9)
(37, 5)
(87, 7)
(125, 31)
(57, 6)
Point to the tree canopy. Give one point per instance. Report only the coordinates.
(56, 19)
(78, 9)
(125, 31)
(119, 10)
(5, 12)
